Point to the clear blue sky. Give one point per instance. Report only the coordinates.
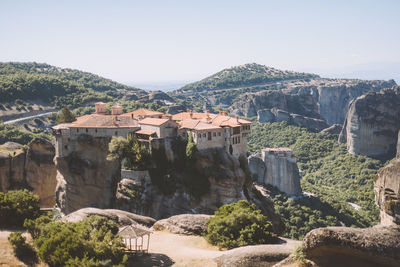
(188, 40)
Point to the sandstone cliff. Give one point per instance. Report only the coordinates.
(85, 177)
(227, 183)
(372, 124)
(325, 99)
(276, 168)
(277, 115)
(30, 168)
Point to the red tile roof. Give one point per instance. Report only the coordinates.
(153, 121)
(104, 121)
(143, 113)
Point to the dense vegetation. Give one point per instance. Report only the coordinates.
(238, 224)
(245, 75)
(336, 177)
(65, 116)
(30, 81)
(22, 249)
(10, 133)
(16, 206)
(91, 242)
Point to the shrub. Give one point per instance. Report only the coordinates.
(190, 147)
(65, 116)
(22, 250)
(16, 206)
(93, 241)
(238, 224)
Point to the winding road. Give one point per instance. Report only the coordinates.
(28, 118)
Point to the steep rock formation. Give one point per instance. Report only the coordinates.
(376, 246)
(227, 180)
(276, 167)
(186, 224)
(248, 104)
(372, 124)
(325, 99)
(30, 168)
(398, 146)
(277, 115)
(85, 177)
(120, 217)
(387, 193)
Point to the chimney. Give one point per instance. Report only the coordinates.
(188, 110)
(237, 118)
(116, 110)
(100, 108)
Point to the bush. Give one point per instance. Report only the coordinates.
(22, 250)
(16, 206)
(91, 242)
(238, 224)
(65, 116)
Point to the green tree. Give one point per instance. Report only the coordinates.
(16, 206)
(238, 224)
(65, 116)
(190, 147)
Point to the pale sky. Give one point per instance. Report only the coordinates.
(153, 41)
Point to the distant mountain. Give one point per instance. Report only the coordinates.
(244, 75)
(58, 86)
(165, 86)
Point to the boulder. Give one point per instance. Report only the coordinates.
(258, 255)
(372, 124)
(187, 224)
(120, 217)
(345, 246)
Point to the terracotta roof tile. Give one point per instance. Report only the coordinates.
(153, 121)
(143, 112)
(104, 121)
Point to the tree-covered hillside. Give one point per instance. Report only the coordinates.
(58, 86)
(244, 75)
(335, 176)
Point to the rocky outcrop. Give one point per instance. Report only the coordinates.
(249, 104)
(31, 167)
(372, 124)
(120, 217)
(259, 255)
(398, 146)
(85, 177)
(344, 246)
(186, 224)
(376, 246)
(387, 193)
(276, 167)
(325, 99)
(227, 184)
(277, 115)
(334, 129)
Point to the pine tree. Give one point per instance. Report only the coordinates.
(65, 116)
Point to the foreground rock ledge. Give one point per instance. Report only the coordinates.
(186, 224)
(343, 246)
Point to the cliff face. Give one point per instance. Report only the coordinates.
(85, 177)
(228, 183)
(277, 169)
(387, 193)
(319, 99)
(277, 115)
(32, 168)
(372, 124)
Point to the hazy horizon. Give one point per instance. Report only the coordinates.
(158, 41)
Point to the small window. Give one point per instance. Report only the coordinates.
(95, 130)
(77, 130)
(200, 136)
(116, 132)
(204, 135)
(214, 134)
(219, 134)
(87, 130)
(209, 135)
(66, 147)
(239, 140)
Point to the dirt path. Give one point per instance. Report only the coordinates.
(168, 249)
